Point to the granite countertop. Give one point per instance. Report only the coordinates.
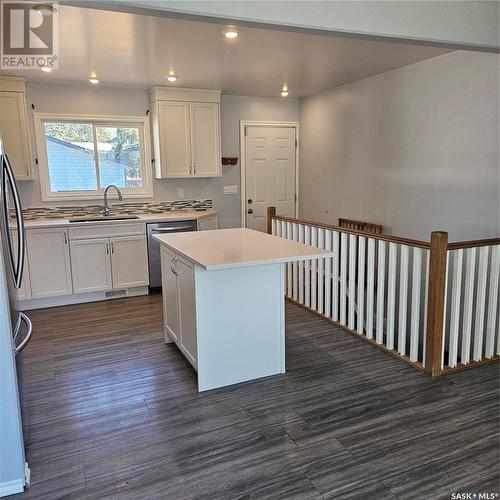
(230, 248)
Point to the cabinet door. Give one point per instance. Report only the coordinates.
(91, 265)
(205, 139)
(129, 261)
(49, 262)
(174, 139)
(14, 133)
(185, 280)
(23, 293)
(170, 295)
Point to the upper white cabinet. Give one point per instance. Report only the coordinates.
(14, 125)
(49, 262)
(186, 132)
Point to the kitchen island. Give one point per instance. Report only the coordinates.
(223, 301)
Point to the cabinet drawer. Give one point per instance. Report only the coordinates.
(107, 230)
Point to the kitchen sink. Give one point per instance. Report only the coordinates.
(103, 218)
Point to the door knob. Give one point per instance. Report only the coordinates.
(250, 201)
(249, 211)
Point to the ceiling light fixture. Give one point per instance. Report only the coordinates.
(231, 34)
(94, 81)
(172, 78)
(46, 69)
(284, 91)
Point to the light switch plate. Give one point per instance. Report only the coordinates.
(230, 189)
(180, 192)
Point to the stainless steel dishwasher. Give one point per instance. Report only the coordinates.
(154, 246)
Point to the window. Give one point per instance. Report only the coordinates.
(83, 155)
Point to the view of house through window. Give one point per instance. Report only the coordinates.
(89, 156)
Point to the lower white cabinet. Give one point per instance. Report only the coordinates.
(49, 262)
(100, 264)
(24, 292)
(179, 304)
(91, 265)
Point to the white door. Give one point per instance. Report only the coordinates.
(185, 280)
(175, 139)
(91, 265)
(205, 139)
(129, 261)
(170, 295)
(14, 132)
(49, 262)
(270, 173)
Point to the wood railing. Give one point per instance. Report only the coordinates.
(360, 225)
(399, 294)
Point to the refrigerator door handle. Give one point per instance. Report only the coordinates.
(16, 265)
(24, 343)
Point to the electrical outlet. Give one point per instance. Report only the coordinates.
(230, 189)
(180, 192)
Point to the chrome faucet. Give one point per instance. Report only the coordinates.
(106, 206)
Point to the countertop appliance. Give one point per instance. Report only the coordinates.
(15, 333)
(154, 246)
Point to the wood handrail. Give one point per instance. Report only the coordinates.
(377, 236)
(456, 245)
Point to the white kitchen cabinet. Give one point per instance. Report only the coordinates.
(179, 304)
(186, 133)
(49, 262)
(207, 223)
(24, 292)
(129, 261)
(91, 265)
(14, 132)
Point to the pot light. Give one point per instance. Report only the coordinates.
(231, 34)
(94, 81)
(46, 69)
(172, 78)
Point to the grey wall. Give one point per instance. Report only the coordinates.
(416, 149)
(84, 99)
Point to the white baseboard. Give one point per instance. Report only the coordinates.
(11, 487)
(80, 298)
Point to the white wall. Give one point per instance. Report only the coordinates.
(84, 99)
(474, 23)
(416, 149)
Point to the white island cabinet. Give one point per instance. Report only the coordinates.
(223, 301)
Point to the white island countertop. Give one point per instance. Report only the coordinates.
(229, 248)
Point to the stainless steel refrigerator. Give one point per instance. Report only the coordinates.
(15, 333)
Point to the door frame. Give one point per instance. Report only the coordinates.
(251, 123)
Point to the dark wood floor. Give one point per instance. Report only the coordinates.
(114, 412)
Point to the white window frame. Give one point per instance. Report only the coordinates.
(102, 120)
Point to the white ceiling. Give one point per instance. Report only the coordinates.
(134, 50)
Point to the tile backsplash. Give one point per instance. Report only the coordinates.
(117, 209)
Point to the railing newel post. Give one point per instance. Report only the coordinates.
(271, 211)
(436, 303)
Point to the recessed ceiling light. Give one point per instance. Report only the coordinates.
(231, 34)
(95, 81)
(172, 78)
(46, 69)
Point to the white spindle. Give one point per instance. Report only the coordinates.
(343, 277)
(403, 299)
(492, 301)
(426, 298)
(361, 285)
(380, 292)
(301, 267)
(273, 226)
(445, 306)
(307, 269)
(328, 275)
(321, 273)
(391, 294)
(415, 303)
(335, 277)
(370, 288)
(480, 303)
(314, 271)
(352, 280)
(289, 285)
(470, 270)
(456, 289)
(295, 265)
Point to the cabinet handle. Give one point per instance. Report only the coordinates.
(173, 262)
(107, 248)
(27, 169)
(65, 238)
(194, 169)
(112, 247)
